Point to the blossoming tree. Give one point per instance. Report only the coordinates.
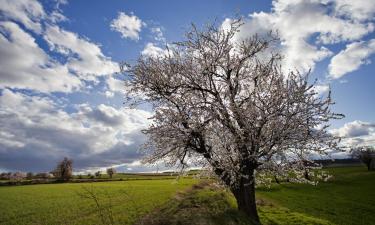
(229, 106)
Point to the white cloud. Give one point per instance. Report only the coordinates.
(115, 85)
(361, 10)
(354, 129)
(36, 132)
(305, 27)
(151, 50)
(158, 34)
(351, 58)
(128, 25)
(27, 12)
(356, 133)
(109, 94)
(84, 57)
(25, 65)
(321, 89)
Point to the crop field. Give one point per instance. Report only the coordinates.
(345, 200)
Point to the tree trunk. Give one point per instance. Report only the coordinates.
(372, 164)
(245, 196)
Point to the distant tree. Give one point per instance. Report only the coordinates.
(4, 176)
(110, 172)
(366, 155)
(30, 175)
(18, 176)
(98, 174)
(64, 169)
(229, 105)
(43, 175)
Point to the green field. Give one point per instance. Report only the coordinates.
(349, 198)
(63, 203)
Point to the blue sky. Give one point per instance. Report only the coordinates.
(61, 94)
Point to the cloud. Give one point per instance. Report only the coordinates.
(27, 12)
(115, 85)
(25, 65)
(306, 29)
(36, 133)
(354, 129)
(355, 134)
(128, 25)
(320, 89)
(351, 58)
(360, 10)
(109, 94)
(84, 57)
(151, 50)
(158, 34)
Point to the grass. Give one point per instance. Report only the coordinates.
(62, 203)
(348, 199)
(201, 204)
(210, 205)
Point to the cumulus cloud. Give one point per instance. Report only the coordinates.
(152, 50)
(356, 133)
(350, 59)
(307, 28)
(38, 133)
(356, 128)
(36, 130)
(360, 10)
(128, 25)
(321, 89)
(84, 57)
(158, 34)
(25, 65)
(115, 85)
(26, 12)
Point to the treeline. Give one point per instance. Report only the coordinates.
(63, 172)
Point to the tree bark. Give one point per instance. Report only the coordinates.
(245, 197)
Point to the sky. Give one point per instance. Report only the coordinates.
(61, 93)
